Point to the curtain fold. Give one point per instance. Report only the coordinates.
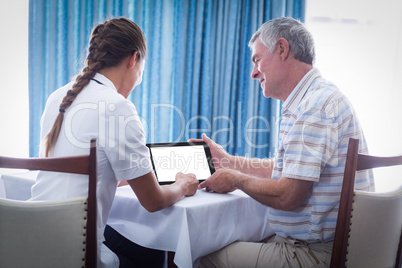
(197, 71)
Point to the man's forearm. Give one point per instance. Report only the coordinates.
(284, 194)
(254, 166)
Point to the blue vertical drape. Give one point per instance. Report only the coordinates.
(197, 72)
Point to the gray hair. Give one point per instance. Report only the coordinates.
(300, 40)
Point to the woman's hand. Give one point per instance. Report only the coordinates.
(189, 182)
(122, 183)
(154, 197)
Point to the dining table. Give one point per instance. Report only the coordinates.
(191, 228)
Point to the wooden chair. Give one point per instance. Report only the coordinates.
(50, 233)
(369, 226)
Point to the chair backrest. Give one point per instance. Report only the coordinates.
(369, 225)
(40, 229)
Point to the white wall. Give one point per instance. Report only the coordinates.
(14, 122)
(359, 48)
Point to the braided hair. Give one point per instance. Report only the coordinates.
(110, 43)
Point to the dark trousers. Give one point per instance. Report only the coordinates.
(131, 254)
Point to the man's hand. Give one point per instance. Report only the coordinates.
(220, 157)
(222, 181)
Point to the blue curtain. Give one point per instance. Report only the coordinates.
(197, 72)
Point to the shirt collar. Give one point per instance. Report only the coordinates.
(299, 91)
(104, 80)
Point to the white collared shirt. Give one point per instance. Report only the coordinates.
(317, 122)
(98, 112)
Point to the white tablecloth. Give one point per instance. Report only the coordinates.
(193, 227)
(18, 185)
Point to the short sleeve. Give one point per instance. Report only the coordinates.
(311, 143)
(125, 141)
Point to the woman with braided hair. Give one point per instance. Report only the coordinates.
(95, 105)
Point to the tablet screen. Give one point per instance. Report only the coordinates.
(170, 158)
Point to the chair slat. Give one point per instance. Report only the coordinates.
(369, 161)
(75, 164)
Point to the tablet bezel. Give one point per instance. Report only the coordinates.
(175, 144)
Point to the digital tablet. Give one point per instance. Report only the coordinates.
(188, 157)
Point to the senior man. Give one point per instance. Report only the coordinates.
(302, 184)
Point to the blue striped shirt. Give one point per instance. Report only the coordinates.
(317, 122)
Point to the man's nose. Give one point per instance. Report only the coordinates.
(255, 73)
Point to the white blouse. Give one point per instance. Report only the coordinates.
(99, 112)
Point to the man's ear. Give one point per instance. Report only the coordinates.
(283, 48)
